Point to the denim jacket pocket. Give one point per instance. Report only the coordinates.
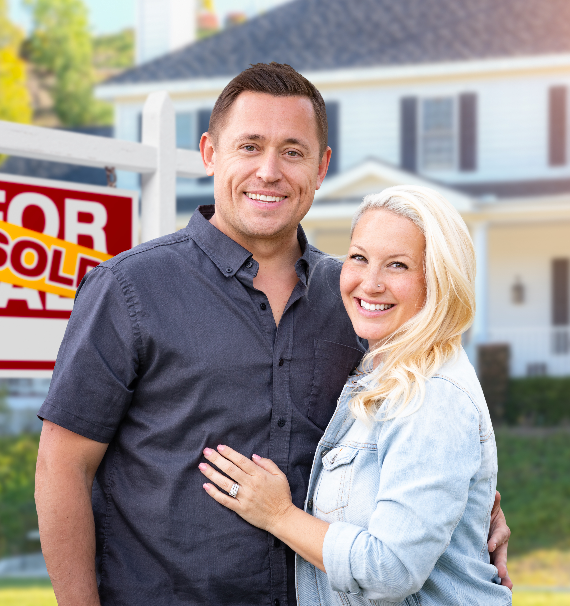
(333, 490)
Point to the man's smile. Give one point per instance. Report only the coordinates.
(264, 197)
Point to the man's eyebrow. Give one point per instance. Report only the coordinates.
(297, 142)
(250, 137)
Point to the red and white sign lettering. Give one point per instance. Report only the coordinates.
(93, 222)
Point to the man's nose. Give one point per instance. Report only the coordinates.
(269, 170)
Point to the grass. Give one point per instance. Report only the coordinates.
(546, 598)
(534, 482)
(26, 592)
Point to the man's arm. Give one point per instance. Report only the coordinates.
(66, 466)
(499, 534)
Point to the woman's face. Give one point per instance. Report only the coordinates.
(382, 280)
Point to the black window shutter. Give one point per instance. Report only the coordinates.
(468, 132)
(333, 111)
(203, 126)
(560, 292)
(184, 130)
(557, 125)
(409, 133)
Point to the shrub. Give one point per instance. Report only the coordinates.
(538, 401)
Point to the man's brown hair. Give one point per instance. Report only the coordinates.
(277, 79)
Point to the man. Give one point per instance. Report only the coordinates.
(230, 331)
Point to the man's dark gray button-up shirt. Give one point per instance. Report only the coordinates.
(170, 349)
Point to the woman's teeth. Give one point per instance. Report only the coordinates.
(378, 307)
(265, 198)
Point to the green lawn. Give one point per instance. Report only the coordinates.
(534, 482)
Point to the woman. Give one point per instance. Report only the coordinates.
(403, 481)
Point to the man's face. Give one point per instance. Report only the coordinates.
(266, 165)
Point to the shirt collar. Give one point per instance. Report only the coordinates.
(226, 254)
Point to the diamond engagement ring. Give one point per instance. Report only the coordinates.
(234, 490)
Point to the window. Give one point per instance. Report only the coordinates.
(438, 134)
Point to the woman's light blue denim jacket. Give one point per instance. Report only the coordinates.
(409, 502)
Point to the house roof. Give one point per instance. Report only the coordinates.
(315, 35)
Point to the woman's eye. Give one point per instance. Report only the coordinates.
(399, 265)
(358, 257)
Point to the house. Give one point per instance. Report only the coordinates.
(470, 98)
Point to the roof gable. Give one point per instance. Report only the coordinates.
(316, 35)
(372, 176)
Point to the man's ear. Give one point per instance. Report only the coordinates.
(323, 167)
(208, 153)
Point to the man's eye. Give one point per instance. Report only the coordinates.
(249, 147)
(293, 154)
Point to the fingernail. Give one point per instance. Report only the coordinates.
(221, 448)
(256, 457)
(208, 451)
(203, 466)
(206, 486)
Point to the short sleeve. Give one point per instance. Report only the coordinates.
(97, 363)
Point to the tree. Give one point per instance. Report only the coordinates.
(15, 102)
(61, 44)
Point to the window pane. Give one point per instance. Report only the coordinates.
(438, 133)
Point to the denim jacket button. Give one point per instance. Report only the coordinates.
(310, 504)
(324, 453)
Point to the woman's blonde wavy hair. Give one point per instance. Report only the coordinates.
(415, 352)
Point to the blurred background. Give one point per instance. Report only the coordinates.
(468, 97)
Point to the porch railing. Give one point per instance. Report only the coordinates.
(536, 350)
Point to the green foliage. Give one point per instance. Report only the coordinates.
(534, 482)
(17, 508)
(61, 44)
(15, 102)
(539, 401)
(114, 50)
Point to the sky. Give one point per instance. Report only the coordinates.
(108, 16)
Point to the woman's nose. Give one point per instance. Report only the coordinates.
(374, 283)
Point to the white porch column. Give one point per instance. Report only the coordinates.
(479, 331)
(159, 188)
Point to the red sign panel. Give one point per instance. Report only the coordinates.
(32, 322)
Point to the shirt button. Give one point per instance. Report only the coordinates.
(263, 306)
(281, 362)
(310, 504)
(276, 543)
(276, 602)
(229, 270)
(281, 422)
(249, 264)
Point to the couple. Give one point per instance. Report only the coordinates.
(233, 331)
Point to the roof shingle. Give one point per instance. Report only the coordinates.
(315, 35)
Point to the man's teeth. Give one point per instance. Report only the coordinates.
(372, 307)
(265, 198)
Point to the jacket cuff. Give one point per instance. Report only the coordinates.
(336, 556)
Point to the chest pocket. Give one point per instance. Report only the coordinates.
(333, 363)
(335, 482)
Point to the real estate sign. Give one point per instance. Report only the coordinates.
(51, 234)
